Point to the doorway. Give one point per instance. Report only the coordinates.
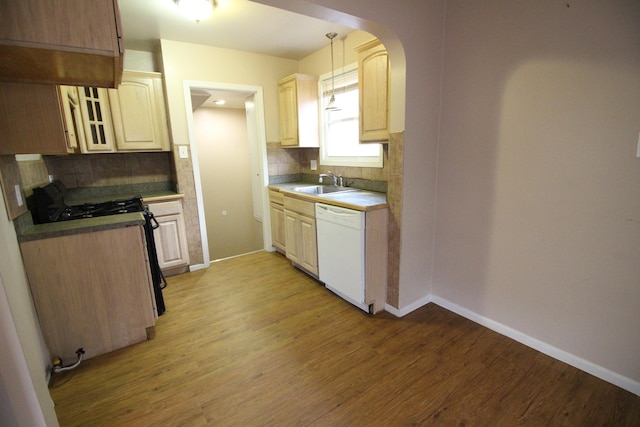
(228, 146)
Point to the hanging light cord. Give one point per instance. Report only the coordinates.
(331, 105)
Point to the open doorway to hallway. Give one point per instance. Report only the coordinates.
(227, 152)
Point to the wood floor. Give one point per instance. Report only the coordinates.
(251, 341)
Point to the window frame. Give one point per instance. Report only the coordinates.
(364, 161)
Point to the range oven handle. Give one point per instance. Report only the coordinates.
(152, 220)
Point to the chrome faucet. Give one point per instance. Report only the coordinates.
(328, 174)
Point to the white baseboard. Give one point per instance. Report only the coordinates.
(197, 267)
(568, 358)
(408, 309)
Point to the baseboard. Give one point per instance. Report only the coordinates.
(568, 358)
(408, 309)
(197, 267)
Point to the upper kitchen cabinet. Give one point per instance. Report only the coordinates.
(298, 103)
(61, 42)
(139, 113)
(32, 120)
(96, 120)
(373, 85)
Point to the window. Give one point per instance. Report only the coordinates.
(339, 142)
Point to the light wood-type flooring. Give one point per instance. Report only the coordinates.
(251, 341)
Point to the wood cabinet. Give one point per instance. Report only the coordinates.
(96, 120)
(170, 236)
(276, 206)
(300, 234)
(139, 113)
(298, 104)
(61, 42)
(91, 290)
(31, 120)
(84, 119)
(373, 85)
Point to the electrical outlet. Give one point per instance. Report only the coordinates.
(18, 195)
(314, 165)
(183, 152)
(638, 149)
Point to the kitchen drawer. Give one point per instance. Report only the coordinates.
(166, 208)
(300, 206)
(276, 197)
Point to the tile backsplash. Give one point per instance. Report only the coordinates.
(100, 170)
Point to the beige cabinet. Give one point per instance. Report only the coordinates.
(139, 114)
(373, 85)
(61, 42)
(170, 236)
(276, 206)
(91, 290)
(298, 104)
(32, 121)
(300, 234)
(96, 120)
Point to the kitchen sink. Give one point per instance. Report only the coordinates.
(323, 189)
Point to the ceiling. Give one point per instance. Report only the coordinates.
(235, 24)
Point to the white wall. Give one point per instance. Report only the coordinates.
(538, 187)
(225, 173)
(33, 353)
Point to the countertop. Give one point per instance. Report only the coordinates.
(30, 231)
(360, 200)
(76, 226)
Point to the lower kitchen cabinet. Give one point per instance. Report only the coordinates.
(300, 234)
(91, 290)
(171, 236)
(276, 206)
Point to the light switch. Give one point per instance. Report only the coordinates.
(314, 165)
(638, 149)
(183, 152)
(18, 195)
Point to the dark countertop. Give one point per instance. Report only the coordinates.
(360, 200)
(77, 226)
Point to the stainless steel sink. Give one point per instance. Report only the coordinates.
(323, 189)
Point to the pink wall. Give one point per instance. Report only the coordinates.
(538, 220)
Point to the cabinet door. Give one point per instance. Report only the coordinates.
(61, 42)
(171, 242)
(96, 120)
(292, 235)
(31, 120)
(277, 226)
(72, 117)
(308, 244)
(288, 105)
(373, 81)
(138, 113)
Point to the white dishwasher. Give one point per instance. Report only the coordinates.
(341, 252)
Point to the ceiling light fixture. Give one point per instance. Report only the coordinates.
(198, 10)
(331, 106)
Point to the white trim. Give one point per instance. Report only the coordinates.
(347, 161)
(197, 267)
(571, 359)
(401, 312)
(260, 134)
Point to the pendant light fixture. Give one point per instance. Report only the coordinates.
(331, 106)
(197, 10)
